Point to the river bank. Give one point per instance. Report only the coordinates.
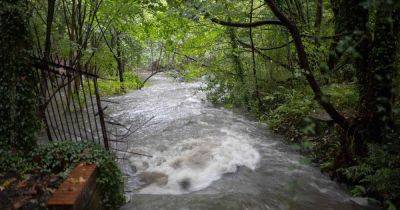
(214, 158)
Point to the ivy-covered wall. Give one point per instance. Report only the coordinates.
(18, 117)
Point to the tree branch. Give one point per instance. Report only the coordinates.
(277, 47)
(266, 57)
(150, 76)
(106, 41)
(304, 64)
(246, 25)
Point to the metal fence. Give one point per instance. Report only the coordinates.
(69, 102)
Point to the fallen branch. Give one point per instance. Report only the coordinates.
(113, 102)
(151, 75)
(130, 132)
(135, 153)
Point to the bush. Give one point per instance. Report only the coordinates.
(377, 174)
(59, 158)
(14, 161)
(290, 108)
(342, 96)
(113, 86)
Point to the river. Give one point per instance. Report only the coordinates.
(205, 157)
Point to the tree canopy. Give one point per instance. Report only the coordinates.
(291, 63)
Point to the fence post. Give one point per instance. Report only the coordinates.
(101, 114)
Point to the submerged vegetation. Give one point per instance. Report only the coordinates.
(112, 86)
(323, 73)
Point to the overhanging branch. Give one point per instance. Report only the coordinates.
(266, 57)
(246, 25)
(319, 96)
(277, 47)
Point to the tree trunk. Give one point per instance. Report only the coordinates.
(350, 19)
(376, 110)
(120, 61)
(237, 63)
(375, 68)
(318, 18)
(256, 85)
(18, 101)
(49, 22)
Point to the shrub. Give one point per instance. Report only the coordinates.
(342, 96)
(113, 86)
(377, 174)
(291, 108)
(59, 158)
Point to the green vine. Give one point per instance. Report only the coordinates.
(18, 116)
(59, 158)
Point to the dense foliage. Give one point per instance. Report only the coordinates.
(319, 72)
(57, 160)
(324, 73)
(18, 117)
(112, 86)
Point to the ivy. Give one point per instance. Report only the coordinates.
(18, 116)
(59, 158)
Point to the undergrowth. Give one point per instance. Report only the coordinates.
(292, 111)
(112, 86)
(57, 159)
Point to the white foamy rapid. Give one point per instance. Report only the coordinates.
(193, 164)
(198, 156)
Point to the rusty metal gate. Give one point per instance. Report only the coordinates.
(69, 103)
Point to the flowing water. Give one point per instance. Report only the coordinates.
(204, 157)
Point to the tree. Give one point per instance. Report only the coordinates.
(375, 79)
(18, 103)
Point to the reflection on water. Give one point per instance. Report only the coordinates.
(210, 158)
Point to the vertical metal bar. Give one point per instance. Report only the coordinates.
(101, 114)
(94, 112)
(87, 109)
(69, 109)
(63, 106)
(75, 110)
(80, 105)
(52, 109)
(58, 107)
(42, 109)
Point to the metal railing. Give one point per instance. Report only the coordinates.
(69, 102)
